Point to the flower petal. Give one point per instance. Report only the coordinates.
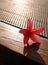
(26, 38)
(34, 38)
(23, 31)
(29, 24)
(38, 30)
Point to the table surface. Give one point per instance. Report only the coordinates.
(12, 39)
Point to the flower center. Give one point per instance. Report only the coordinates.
(29, 33)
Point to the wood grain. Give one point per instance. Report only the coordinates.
(12, 39)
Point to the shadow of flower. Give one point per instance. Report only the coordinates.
(31, 51)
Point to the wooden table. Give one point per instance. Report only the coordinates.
(12, 39)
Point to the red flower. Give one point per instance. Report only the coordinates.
(30, 33)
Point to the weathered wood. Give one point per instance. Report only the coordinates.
(12, 39)
(16, 12)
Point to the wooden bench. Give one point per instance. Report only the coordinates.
(12, 39)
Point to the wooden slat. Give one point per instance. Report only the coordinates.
(12, 39)
(16, 12)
